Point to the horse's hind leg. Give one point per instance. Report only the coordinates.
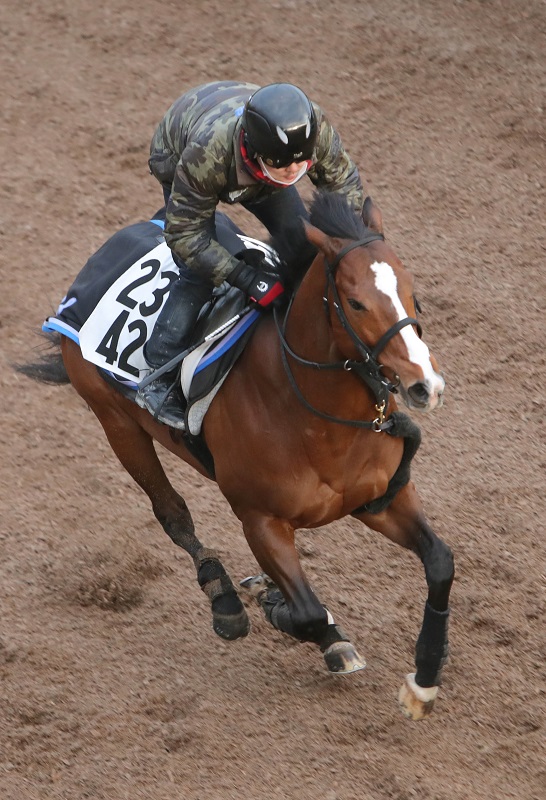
(404, 523)
(135, 449)
(286, 597)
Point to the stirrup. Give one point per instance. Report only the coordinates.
(164, 408)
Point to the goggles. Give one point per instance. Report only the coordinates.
(279, 163)
(266, 162)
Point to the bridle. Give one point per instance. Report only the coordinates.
(368, 369)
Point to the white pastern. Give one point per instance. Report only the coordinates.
(418, 352)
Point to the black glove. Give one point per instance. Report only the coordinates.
(262, 287)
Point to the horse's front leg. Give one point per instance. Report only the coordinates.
(286, 597)
(404, 523)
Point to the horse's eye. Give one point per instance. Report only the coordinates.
(356, 304)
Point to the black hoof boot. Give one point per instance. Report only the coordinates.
(164, 401)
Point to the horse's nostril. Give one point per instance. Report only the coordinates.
(419, 393)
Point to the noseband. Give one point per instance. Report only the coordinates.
(368, 369)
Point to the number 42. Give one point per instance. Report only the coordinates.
(108, 347)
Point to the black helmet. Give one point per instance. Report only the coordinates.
(280, 125)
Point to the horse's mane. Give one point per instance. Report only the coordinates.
(330, 213)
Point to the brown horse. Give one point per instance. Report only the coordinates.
(305, 431)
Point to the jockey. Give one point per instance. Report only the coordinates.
(236, 143)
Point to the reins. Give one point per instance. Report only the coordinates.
(368, 370)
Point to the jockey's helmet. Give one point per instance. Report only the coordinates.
(280, 125)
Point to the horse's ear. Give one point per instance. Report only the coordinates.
(372, 216)
(320, 240)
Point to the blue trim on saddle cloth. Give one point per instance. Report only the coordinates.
(227, 341)
(160, 222)
(118, 379)
(58, 326)
(54, 324)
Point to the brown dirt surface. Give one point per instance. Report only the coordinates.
(112, 682)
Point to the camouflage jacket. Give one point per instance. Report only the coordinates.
(194, 151)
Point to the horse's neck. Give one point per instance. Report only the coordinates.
(308, 328)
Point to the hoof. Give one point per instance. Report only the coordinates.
(231, 626)
(416, 702)
(342, 659)
(229, 618)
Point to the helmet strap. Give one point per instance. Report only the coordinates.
(251, 165)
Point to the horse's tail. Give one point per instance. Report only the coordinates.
(49, 368)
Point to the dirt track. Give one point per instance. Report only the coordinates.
(113, 684)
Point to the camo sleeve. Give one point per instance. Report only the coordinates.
(199, 178)
(334, 171)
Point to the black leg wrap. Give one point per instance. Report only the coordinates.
(431, 650)
(209, 571)
(216, 584)
(277, 613)
(333, 634)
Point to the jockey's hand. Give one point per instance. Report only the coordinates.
(261, 287)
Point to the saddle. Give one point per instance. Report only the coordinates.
(222, 331)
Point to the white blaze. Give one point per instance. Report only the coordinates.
(385, 281)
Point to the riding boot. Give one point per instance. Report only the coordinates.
(170, 336)
(164, 400)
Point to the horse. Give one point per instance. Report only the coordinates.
(304, 431)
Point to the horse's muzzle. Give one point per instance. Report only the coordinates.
(422, 397)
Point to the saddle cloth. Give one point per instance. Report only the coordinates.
(112, 306)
